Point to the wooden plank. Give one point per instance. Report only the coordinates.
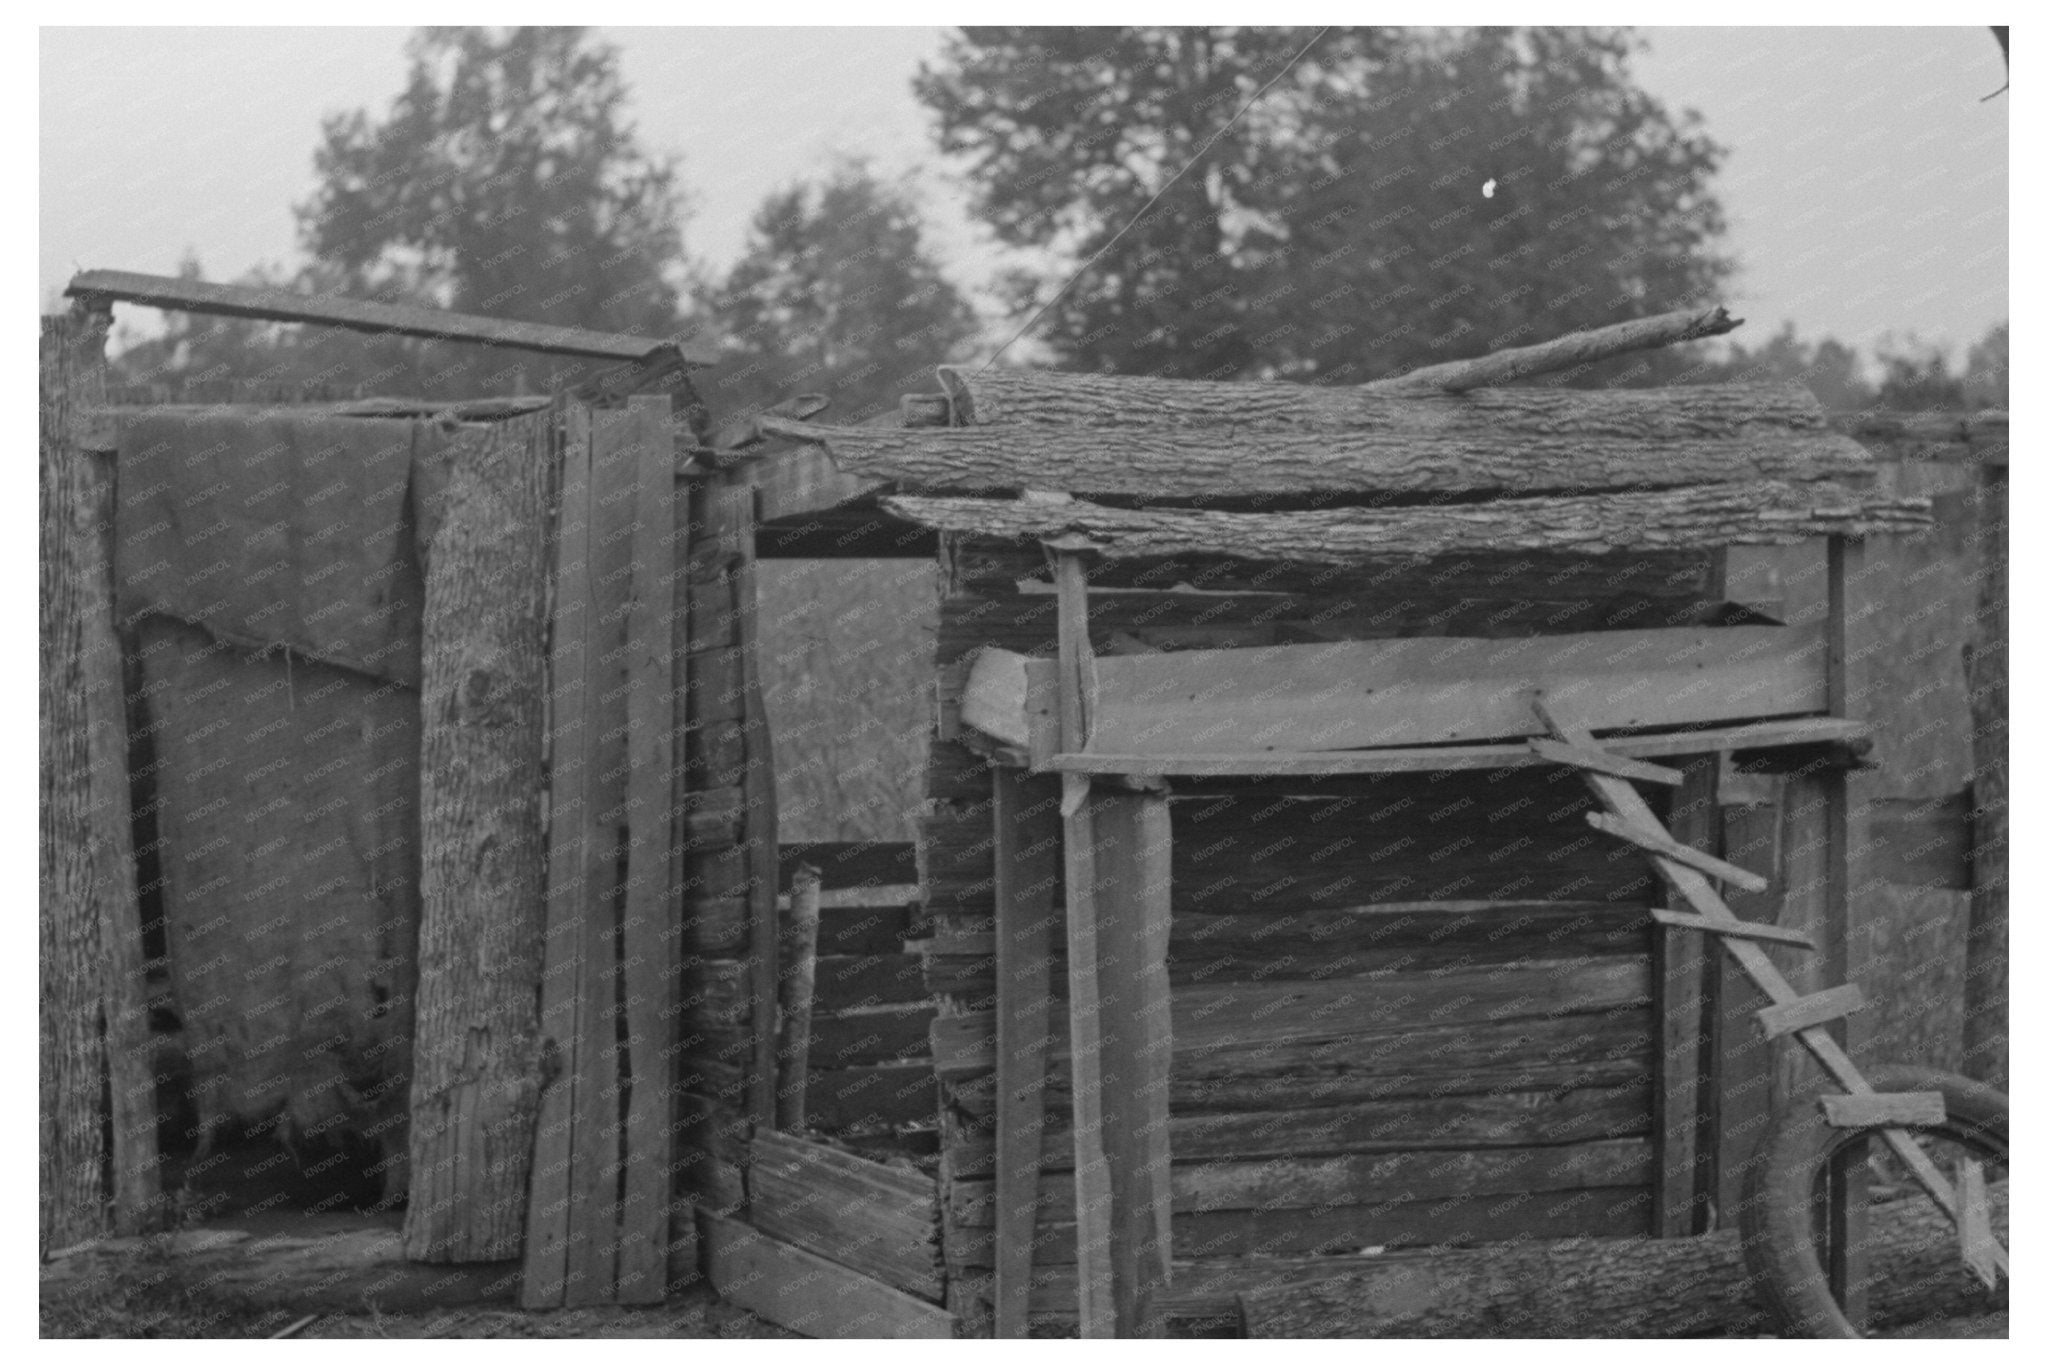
(1604, 761)
(1762, 933)
(649, 917)
(1313, 1183)
(1813, 731)
(1810, 1011)
(806, 1293)
(1026, 831)
(284, 305)
(598, 1150)
(1507, 1216)
(1134, 898)
(1676, 969)
(1486, 1118)
(1986, 1019)
(1091, 1184)
(879, 1220)
(1388, 693)
(569, 781)
(1924, 1108)
(1656, 841)
(1247, 1016)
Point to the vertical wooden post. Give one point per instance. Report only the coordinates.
(599, 1206)
(1986, 1055)
(1134, 897)
(1848, 1183)
(1092, 1194)
(548, 1231)
(1738, 1086)
(95, 1070)
(476, 1045)
(1678, 966)
(1027, 873)
(804, 887)
(649, 920)
(735, 506)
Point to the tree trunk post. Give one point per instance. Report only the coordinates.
(476, 1068)
(95, 1074)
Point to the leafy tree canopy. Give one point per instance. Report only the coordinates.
(1339, 230)
(834, 294)
(506, 180)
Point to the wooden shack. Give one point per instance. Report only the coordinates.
(1233, 781)
(1255, 929)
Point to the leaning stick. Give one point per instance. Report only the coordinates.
(1561, 353)
(800, 990)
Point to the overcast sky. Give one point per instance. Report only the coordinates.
(1866, 184)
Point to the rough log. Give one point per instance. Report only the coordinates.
(1764, 513)
(1041, 398)
(95, 1073)
(1688, 1286)
(476, 1063)
(1428, 451)
(1573, 351)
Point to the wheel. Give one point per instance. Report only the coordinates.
(1812, 1181)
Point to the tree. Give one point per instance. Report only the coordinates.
(834, 294)
(1395, 198)
(1987, 372)
(505, 180)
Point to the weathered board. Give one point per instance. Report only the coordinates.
(1358, 695)
(806, 1293)
(878, 1219)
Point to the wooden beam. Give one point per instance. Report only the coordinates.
(1762, 933)
(1604, 761)
(264, 304)
(1923, 1108)
(1766, 735)
(1571, 352)
(1027, 832)
(1810, 1011)
(1375, 693)
(1655, 840)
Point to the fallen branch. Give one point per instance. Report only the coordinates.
(1562, 353)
